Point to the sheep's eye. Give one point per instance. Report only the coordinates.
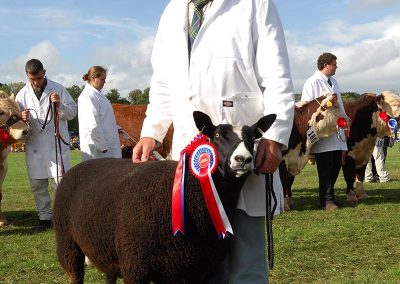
(217, 135)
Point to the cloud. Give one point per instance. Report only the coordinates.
(368, 54)
(373, 3)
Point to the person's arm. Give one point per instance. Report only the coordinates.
(273, 70)
(159, 110)
(67, 108)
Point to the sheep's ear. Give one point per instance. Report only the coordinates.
(263, 125)
(12, 96)
(203, 123)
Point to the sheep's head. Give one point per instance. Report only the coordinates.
(234, 144)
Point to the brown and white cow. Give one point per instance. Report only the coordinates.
(312, 120)
(12, 129)
(366, 126)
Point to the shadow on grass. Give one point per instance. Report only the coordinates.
(307, 199)
(21, 223)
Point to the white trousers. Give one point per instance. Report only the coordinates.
(39, 188)
(379, 158)
(246, 260)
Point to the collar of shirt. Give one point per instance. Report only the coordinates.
(206, 8)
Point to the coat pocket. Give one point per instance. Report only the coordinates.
(242, 108)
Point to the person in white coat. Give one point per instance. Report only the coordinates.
(236, 70)
(327, 151)
(47, 157)
(98, 131)
(378, 155)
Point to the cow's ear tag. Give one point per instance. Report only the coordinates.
(312, 135)
(328, 104)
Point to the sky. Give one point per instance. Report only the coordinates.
(69, 36)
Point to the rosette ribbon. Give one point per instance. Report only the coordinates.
(342, 123)
(383, 115)
(392, 123)
(203, 162)
(5, 139)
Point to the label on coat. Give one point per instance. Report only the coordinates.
(227, 103)
(312, 136)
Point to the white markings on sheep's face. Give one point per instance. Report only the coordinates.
(234, 144)
(234, 150)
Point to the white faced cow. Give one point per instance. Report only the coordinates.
(12, 129)
(367, 124)
(312, 120)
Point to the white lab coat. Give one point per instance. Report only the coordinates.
(41, 146)
(238, 56)
(97, 126)
(314, 87)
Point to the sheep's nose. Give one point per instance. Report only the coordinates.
(25, 132)
(241, 159)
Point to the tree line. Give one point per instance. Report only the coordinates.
(135, 97)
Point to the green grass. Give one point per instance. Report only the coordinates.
(356, 244)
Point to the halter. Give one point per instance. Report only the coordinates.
(5, 138)
(10, 121)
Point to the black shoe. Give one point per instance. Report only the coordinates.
(44, 225)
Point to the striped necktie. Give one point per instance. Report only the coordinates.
(197, 20)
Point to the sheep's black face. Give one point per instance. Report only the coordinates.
(234, 145)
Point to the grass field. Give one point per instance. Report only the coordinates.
(356, 244)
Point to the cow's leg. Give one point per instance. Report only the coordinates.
(361, 194)
(71, 258)
(349, 174)
(3, 172)
(287, 181)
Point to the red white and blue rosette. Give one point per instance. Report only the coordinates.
(203, 162)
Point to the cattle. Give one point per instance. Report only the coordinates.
(130, 119)
(312, 120)
(119, 214)
(12, 129)
(369, 115)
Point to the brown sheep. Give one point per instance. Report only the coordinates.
(119, 214)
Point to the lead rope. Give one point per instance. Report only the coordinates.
(57, 141)
(269, 195)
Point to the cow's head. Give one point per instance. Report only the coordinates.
(10, 118)
(234, 144)
(324, 118)
(389, 102)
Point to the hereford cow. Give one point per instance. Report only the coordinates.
(312, 120)
(368, 115)
(130, 119)
(12, 129)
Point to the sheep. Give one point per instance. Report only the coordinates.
(119, 214)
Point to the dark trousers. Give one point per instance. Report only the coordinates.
(328, 166)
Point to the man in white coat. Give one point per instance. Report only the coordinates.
(327, 151)
(236, 70)
(36, 99)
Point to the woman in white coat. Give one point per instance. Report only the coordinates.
(98, 131)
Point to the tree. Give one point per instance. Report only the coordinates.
(350, 96)
(134, 95)
(12, 88)
(74, 91)
(115, 98)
